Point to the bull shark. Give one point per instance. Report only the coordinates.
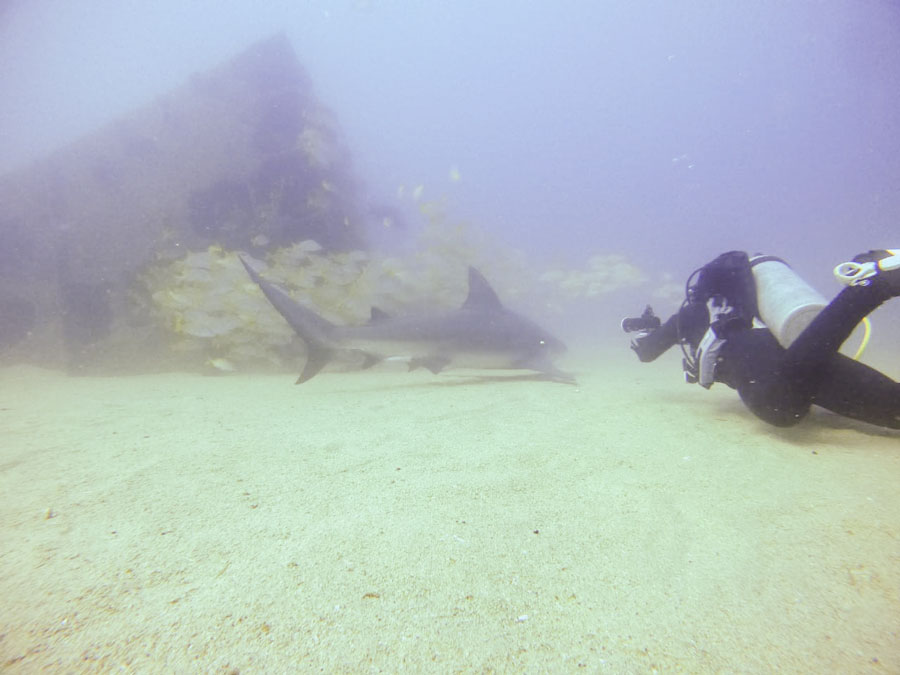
(482, 333)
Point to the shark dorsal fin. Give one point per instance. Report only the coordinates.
(378, 315)
(481, 295)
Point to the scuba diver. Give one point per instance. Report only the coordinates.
(779, 369)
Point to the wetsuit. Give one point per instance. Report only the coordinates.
(779, 385)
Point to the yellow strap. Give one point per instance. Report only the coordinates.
(865, 341)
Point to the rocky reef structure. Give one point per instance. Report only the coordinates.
(219, 321)
(243, 157)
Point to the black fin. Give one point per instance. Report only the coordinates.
(433, 363)
(315, 331)
(305, 322)
(369, 359)
(316, 358)
(378, 315)
(481, 295)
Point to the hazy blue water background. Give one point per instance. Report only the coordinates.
(666, 131)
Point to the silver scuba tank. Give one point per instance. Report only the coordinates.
(787, 304)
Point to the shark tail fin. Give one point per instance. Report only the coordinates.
(317, 333)
(317, 356)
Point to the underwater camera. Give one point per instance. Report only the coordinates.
(646, 322)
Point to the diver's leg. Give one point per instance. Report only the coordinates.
(834, 324)
(752, 364)
(858, 391)
(780, 385)
(804, 361)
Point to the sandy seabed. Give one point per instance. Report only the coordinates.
(384, 520)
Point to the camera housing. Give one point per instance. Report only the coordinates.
(646, 322)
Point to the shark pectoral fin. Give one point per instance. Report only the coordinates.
(433, 363)
(316, 358)
(369, 359)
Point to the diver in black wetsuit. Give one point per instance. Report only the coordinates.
(779, 385)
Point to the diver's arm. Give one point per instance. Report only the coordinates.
(689, 323)
(650, 346)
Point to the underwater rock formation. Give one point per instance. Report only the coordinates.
(221, 212)
(243, 156)
(213, 315)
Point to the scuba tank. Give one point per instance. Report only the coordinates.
(785, 302)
